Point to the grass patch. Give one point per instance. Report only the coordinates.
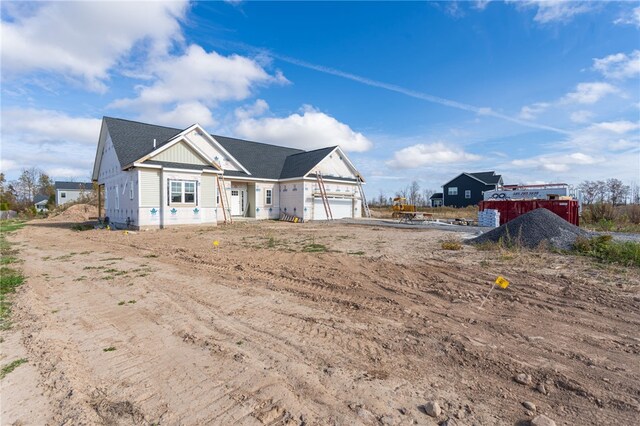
(5, 260)
(131, 301)
(315, 248)
(111, 258)
(109, 349)
(11, 225)
(603, 248)
(150, 255)
(121, 303)
(451, 244)
(94, 267)
(11, 366)
(356, 253)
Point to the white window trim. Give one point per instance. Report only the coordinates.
(452, 190)
(268, 193)
(182, 192)
(467, 194)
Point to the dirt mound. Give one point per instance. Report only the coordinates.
(75, 213)
(532, 229)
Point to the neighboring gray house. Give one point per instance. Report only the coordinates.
(436, 199)
(40, 202)
(467, 189)
(67, 192)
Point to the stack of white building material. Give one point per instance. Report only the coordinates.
(489, 217)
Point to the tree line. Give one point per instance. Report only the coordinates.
(610, 191)
(19, 194)
(413, 193)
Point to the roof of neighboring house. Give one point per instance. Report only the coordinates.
(133, 140)
(69, 186)
(490, 178)
(436, 196)
(40, 198)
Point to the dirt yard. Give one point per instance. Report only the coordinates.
(159, 327)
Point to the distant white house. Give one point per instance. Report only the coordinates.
(67, 192)
(40, 203)
(154, 176)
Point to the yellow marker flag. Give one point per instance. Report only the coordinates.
(216, 243)
(502, 283)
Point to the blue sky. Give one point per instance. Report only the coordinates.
(537, 91)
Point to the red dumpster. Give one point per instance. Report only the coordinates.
(510, 209)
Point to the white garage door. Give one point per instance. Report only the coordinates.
(340, 208)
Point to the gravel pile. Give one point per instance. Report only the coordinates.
(539, 226)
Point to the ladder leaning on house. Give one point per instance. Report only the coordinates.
(224, 201)
(323, 195)
(365, 206)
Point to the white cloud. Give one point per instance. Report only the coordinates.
(530, 112)
(590, 93)
(194, 82)
(85, 40)
(481, 4)
(183, 115)
(581, 116)
(259, 107)
(309, 130)
(619, 127)
(40, 126)
(606, 136)
(631, 19)
(556, 10)
(427, 154)
(556, 163)
(61, 145)
(619, 66)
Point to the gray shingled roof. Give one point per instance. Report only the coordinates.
(133, 140)
(69, 186)
(40, 198)
(490, 178)
(262, 160)
(436, 196)
(300, 164)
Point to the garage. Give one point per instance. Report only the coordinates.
(340, 208)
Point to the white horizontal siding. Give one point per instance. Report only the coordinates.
(149, 188)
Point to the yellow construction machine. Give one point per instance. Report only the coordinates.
(403, 211)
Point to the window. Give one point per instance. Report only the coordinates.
(453, 190)
(467, 193)
(63, 195)
(117, 199)
(268, 196)
(131, 191)
(176, 192)
(189, 192)
(182, 192)
(234, 193)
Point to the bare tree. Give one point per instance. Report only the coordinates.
(426, 196)
(382, 199)
(27, 184)
(414, 193)
(634, 193)
(592, 191)
(616, 191)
